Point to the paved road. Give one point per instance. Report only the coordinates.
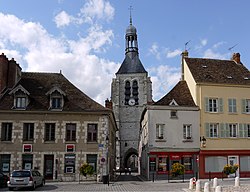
(138, 186)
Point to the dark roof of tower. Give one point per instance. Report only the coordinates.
(131, 64)
(218, 71)
(180, 94)
(39, 84)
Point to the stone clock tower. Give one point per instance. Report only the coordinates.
(131, 91)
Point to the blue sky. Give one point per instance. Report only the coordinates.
(85, 38)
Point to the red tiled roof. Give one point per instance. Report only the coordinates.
(218, 71)
(180, 93)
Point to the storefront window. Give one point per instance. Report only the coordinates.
(215, 163)
(27, 161)
(70, 163)
(152, 164)
(162, 164)
(92, 159)
(5, 163)
(244, 163)
(187, 162)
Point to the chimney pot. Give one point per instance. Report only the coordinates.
(236, 58)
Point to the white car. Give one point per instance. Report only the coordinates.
(25, 178)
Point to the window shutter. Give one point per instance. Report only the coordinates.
(241, 130)
(243, 105)
(227, 131)
(220, 105)
(222, 130)
(207, 130)
(157, 131)
(206, 105)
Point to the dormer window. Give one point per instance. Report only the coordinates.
(21, 99)
(56, 96)
(56, 101)
(20, 102)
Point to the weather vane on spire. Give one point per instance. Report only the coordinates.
(130, 10)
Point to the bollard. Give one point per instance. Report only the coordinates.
(218, 189)
(198, 186)
(191, 185)
(215, 182)
(206, 187)
(237, 182)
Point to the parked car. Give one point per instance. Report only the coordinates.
(3, 180)
(25, 178)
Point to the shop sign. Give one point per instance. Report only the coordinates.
(175, 157)
(27, 148)
(70, 148)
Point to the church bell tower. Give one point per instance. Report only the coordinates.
(131, 91)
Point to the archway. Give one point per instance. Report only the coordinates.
(131, 159)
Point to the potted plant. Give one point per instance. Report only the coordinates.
(86, 169)
(177, 169)
(230, 169)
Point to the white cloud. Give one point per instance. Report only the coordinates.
(204, 42)
(209, 53)
(163, 79)
(33, 47)
(174, 53)
(98, 9)
(62, 19)
(154, 50)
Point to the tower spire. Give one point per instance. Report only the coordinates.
(130, 10)
(131, 36)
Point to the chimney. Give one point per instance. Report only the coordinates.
(14, 73)
(3, 72)
(184, 54)
(10, 72)
(236, 58)
(108, 104)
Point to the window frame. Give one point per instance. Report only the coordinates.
(49, 132)
(159, 131)
(28, 131)
(6, 131)
(213, 130)
(233, 130)
(92, 135)
(70, 132)
(187, 131)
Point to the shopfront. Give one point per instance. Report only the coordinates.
(160, 163)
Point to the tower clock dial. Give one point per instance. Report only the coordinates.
(131, 102)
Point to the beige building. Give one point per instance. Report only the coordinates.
(221, 88)
(50, 125)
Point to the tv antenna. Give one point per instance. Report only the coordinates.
(230, 48)
(186, 44)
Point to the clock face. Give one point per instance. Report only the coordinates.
(131, 102)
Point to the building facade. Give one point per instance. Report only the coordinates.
(221, 88)
(50, 125)
(170, 134)
(131, 91)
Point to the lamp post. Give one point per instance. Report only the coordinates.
(203, 141)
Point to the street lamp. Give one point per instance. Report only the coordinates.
(203, 141)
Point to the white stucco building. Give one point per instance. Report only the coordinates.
(169, 134)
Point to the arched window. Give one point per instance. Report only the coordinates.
(135, 91)
(127, 92)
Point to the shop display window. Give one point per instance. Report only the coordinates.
(162, 164)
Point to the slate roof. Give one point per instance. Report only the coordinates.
(38, 84)
(131, 64)
(218, 71)
(180, 93)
